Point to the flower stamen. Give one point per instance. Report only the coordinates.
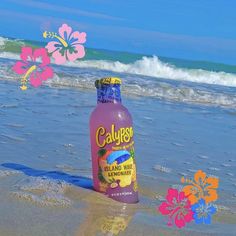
(47, 34)
(27, 74)
(186, 180)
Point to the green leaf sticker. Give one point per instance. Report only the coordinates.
(102, 152)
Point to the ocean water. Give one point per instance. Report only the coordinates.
(150, 76)
(184, 119)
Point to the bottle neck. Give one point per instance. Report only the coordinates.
(108, 93)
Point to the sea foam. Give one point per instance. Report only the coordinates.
(43, 191)
(4, 173)
(148, 76)
(154, 67)
(150, 66)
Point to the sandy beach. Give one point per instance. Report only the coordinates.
(45, 163)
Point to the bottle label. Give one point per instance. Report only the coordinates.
(123, 135)
(116, 161)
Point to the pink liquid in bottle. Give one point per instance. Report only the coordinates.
(112, 145)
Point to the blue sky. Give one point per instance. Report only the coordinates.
(190, 29)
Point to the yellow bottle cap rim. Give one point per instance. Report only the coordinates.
(108, 80)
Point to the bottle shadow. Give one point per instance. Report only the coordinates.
(80, 181)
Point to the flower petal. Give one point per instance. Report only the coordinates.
(77, 37)
(42, 53)
(212, 196)
(53, 46)
(198, 220)
(20, 67)
(59, 59)
(172, 194)
(181, 196)
(200, 177)
(189, 216)
(188, 204)
(46, 73)
(65, 31)
(164, 208)
(213, 182)
(207, 219)
(35, 79)
(179, 220)
(190, 191)
(79, 52)
(194, 207)
(212, 210)
(26, 54)
(202, 202)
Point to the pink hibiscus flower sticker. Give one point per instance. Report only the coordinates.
(68, 45)
(177, 208)
(34, 65)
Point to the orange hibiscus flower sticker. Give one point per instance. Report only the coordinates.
(201, 187)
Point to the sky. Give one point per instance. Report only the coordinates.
(188, 29)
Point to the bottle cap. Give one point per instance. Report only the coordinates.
(107, 81)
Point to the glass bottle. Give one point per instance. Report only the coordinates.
(112, 144)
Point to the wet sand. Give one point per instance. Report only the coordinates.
(45, 165)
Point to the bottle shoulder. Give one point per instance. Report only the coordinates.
(108, 107)
(111, 110)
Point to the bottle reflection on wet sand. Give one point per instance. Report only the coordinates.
(105, 220)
